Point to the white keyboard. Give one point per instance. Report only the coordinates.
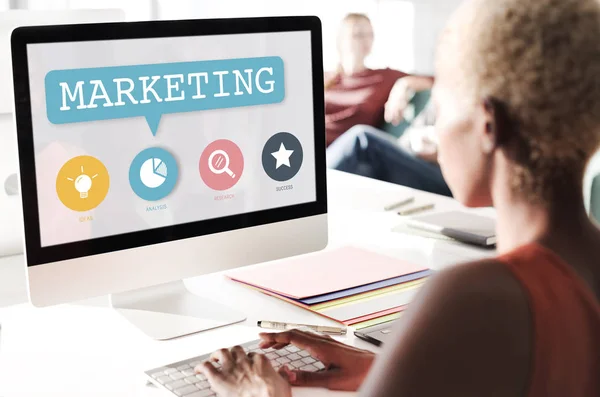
(180, 379)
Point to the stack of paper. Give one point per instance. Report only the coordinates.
(349, 285)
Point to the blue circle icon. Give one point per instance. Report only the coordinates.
(153, 174)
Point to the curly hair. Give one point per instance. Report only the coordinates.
(541, 60)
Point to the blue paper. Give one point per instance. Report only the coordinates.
(365, 288)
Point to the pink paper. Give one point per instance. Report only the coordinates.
(324, 272)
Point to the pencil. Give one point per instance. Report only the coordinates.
(414, 210)
(399, 204)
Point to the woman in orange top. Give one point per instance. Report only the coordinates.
(518, 104)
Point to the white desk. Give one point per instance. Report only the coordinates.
(89, 350)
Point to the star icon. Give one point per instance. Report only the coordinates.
(282, 156)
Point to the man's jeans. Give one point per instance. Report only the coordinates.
(367, 151)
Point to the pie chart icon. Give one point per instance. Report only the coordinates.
(153, 173)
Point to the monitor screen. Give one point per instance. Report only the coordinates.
(138, 134)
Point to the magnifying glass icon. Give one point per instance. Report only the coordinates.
(218, 163)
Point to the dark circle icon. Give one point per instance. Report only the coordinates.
(153, 174)
(282, 156)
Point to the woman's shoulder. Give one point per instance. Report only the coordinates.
(475, 315)
(487, 278)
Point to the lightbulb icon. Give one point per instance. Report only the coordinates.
(83, 183)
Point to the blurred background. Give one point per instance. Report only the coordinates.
(405, 29)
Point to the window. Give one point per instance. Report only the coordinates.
(393, 22)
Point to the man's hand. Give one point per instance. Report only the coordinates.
(424, 147)
(397, 101)
(346, 366)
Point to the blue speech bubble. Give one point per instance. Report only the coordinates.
(151, 90)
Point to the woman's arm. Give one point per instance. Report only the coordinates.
(468, 335)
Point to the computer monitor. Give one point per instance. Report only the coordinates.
(150, 152)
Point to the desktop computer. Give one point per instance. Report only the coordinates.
(11, 242)
(150, 152)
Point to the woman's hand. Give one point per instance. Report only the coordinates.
(243, 375)
(346, 366)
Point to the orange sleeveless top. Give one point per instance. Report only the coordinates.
(566, 324)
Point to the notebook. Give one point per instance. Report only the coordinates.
(324, 272)
(462, 226)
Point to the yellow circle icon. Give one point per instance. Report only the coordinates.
(82, 183)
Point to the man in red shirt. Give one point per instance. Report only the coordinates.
(358, 100)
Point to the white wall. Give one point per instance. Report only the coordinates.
(430, 18)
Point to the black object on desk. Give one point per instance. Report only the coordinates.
(377, 334)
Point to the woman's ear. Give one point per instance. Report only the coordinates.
(498, 128)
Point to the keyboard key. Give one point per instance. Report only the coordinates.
(202, 393)
(186, 390)
(319, 365)
(200, 376)
(194, 364)
(272, 356)
(283, 360)
(304, 353)
(175, 385)
(188, 372)
(159, 372)
(294, 357)
(164, 379)
(308, 360)
(191, 380)
(292, 349)
(169, 371)
(203, 385)
(297, 364)
(309, 368)
(253, 347)
(182, 367)
(177, 375)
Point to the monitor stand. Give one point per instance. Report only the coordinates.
(170, 310)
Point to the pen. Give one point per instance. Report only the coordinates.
(287, 326)
(414, 210)
(398, 204)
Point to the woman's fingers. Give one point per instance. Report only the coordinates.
(324, 379)
(238, 354)
(318, 346)
(303, 340)
(224, 357)
(208, 370)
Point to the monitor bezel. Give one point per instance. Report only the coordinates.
(23, 36)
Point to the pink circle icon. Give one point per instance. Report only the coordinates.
(221, 164)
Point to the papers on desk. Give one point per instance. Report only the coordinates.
(349, 285)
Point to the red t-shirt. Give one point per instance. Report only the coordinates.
(357, 99)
